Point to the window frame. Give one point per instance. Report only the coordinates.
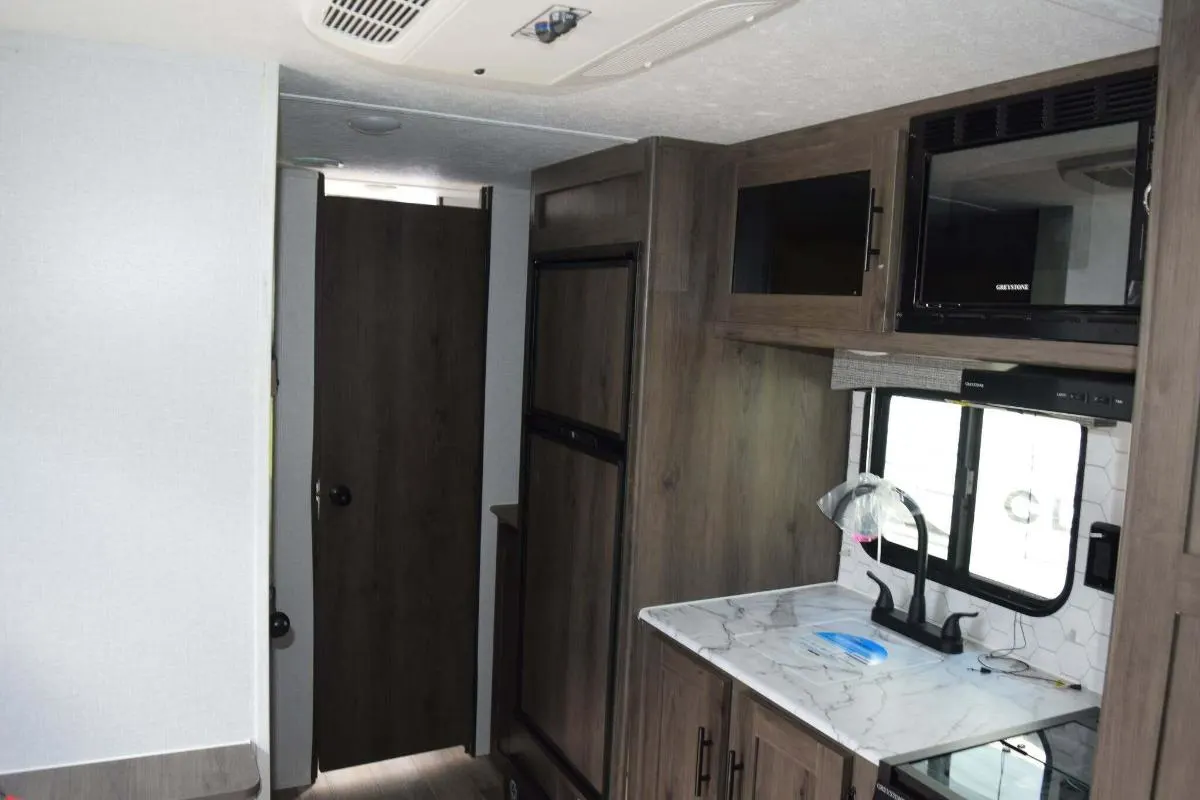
(955, 571)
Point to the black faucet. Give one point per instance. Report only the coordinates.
(948, 638)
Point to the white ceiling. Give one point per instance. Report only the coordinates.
(429, 150)
(817, 61)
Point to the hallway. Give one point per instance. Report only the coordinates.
(441, 775)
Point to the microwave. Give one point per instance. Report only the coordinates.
(1027, 217)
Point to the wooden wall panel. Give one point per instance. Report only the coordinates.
(615, 197)
(1147, 709)
(593, 200)
(732, 443)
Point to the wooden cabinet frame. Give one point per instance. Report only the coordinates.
(882, 153)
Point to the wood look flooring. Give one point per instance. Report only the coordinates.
(440, 775)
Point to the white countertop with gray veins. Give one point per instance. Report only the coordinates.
(787, 645)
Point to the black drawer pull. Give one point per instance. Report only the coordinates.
(731, 770)
(702, 777)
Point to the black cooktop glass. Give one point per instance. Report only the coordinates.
(1050, 764)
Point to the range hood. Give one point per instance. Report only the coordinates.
(490, 41)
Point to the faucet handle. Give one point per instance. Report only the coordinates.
(951, 630)
(884, 601)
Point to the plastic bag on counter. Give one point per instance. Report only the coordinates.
(864, 507)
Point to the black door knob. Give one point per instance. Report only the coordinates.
(340, 495)
(280, 624)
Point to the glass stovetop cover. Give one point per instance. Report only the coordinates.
(1050, 764)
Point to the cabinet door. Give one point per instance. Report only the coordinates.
(684, 725)
(570, 532)
(581, 340)
(817, 234)
(774, 758)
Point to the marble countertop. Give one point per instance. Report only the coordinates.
(914, 700)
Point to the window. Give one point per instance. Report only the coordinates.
(1000, 490)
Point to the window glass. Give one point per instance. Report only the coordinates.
(1025, 501)
(922, 459)
(999, 490)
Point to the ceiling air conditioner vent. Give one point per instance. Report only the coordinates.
(677, 37)
(373, 21)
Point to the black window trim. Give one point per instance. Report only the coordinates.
(954, 571)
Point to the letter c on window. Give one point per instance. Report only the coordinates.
(1028, 501)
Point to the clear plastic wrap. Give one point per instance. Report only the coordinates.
(864, 507)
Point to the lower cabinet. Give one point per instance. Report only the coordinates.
(771, 757)
(701, 735)
(684, 726)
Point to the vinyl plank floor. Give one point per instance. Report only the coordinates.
(441, 775)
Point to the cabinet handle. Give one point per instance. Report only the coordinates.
(702, 777)
(731, 770)
(871, 251)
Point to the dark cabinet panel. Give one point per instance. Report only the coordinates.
(803, 237)
(581, 349)
(570, 528)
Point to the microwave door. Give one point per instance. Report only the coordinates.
(1042, 222)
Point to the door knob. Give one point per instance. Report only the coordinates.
(340, 495)
(280, 624)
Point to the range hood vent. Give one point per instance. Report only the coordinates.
(374, 21)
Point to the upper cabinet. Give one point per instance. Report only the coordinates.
(816, 230)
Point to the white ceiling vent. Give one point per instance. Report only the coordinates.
(472, 40)
(677, 37)
(374, 21)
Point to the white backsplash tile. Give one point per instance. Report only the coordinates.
(1073, 642)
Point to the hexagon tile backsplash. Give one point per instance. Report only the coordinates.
(1073, 642)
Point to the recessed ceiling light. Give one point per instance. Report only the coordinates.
(375, 124)
(318, 162)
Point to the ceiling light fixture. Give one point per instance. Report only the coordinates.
(318, 162)
(374, 124)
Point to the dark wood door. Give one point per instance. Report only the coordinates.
(775, 759)
(401, 321)
(570, 533)
(684, 725)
